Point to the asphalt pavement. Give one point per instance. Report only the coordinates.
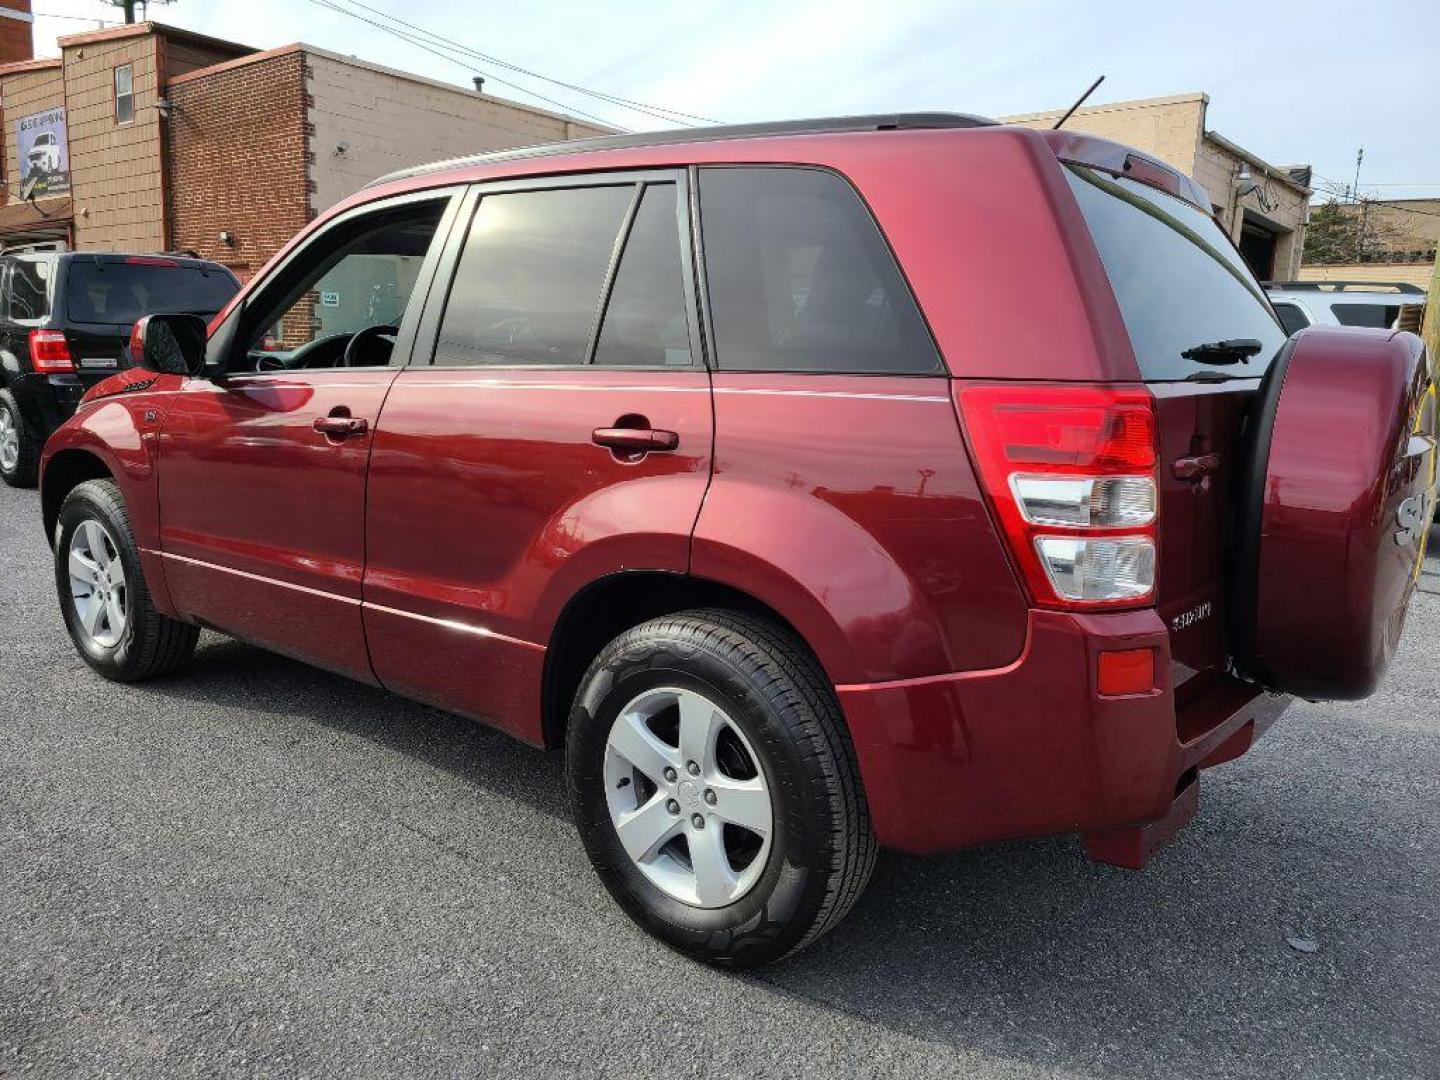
(257, 869)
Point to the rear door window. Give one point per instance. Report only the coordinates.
(119, 292)
(1176, 276)
(1379, 316)
(528, 282)
(800, 278)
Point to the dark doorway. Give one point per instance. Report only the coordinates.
(1257, 248)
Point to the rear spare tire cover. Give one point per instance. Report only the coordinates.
(1334, 502)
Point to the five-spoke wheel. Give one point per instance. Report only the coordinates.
(687, 797)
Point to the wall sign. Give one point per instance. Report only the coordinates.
(44, 153)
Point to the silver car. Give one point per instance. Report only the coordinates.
(1341, 303)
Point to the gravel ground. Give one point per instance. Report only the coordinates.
(255, 868)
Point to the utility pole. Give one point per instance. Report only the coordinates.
(1430, 329)
(1354, 198)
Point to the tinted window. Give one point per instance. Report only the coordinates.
(1291, 317)
(1381, 316)
(30, 288)
(119, 292)
(527, 287)
(645, 317)
(1178, 279)
(801, 280)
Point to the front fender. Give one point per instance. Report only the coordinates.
(118, 434)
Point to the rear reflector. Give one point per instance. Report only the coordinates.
(1128, 671)
(50, 352)
(1066, 467)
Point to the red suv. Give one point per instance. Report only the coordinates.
(910, 481)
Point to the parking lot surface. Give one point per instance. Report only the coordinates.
(255, 868)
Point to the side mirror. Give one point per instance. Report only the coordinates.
(169, 344)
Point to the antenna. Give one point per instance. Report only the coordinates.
(1078, 102)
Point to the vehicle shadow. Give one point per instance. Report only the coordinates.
(1028, 953)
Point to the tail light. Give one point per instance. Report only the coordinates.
(1070, 472)
(50, 352)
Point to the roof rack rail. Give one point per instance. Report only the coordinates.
(825, 125)
(1345, 286)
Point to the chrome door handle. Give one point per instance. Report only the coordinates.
(341, 427)
(635, 440)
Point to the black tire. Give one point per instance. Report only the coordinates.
(27, 467)
(823, 847)
(151, 644)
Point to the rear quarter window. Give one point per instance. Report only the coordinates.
(29, 292)
(800, 279)
(1379, 316)
(1291, 317)
(1178, 280)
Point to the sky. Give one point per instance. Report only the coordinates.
(1291, 81)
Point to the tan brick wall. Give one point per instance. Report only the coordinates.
(238, 154)
(115, 169)
(1168, 128)
(21, 95)
(391, 121)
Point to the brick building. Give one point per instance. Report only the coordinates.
(1264, 207)
(151, 138)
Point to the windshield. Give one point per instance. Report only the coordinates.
(119, 292)
(1179, 281)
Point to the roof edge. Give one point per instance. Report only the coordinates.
(1274, 172)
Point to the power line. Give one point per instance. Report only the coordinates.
(420, 44)
(660, 112)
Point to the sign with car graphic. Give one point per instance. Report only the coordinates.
(44, 153)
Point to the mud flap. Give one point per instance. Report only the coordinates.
(1131, 846)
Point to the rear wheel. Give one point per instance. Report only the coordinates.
(102, 592)
(19, 449)
(715, 787)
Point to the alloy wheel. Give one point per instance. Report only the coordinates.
(688, 797)
(97, 584)
(9, 441)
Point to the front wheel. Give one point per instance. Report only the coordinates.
(715, 788)
(102, 592)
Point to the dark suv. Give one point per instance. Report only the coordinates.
(910, 481)
(65, 320)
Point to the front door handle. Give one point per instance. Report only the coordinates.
(635, 440)
(341, 427)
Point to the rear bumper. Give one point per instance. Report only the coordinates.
(46, 401)
(1032, 749)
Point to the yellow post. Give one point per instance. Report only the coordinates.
(1430, 330)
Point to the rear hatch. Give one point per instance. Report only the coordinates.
(102, 297)
(1182, 288)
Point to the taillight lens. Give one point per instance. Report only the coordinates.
(1070, 471)
(50, 352)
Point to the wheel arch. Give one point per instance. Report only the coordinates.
(64, 471)
(610, 605)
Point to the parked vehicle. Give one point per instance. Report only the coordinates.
(734, 463)
(65, 320)
(1341, 303)
(44, 155)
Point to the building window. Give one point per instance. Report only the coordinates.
(124, 95)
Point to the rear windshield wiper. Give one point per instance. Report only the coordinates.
(1231, 351)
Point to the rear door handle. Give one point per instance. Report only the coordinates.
(642, 440)
(341, 427)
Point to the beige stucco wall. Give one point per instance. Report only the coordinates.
(115, 169)
(389, 120)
